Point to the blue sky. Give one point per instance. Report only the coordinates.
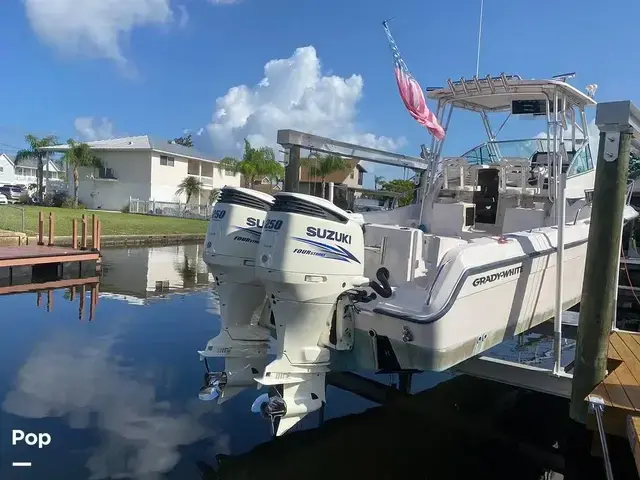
(79, 69)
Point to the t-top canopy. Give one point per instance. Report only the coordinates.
(495, 94)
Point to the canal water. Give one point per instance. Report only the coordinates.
(117, 393)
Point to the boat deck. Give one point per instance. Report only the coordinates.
(620, 390)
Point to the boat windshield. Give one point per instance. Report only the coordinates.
(490, 152)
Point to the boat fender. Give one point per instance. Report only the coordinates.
(383, 288)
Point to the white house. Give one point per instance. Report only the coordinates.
(145, 168)
(25, 172)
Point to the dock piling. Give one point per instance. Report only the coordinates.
(52, 223)
(99, 227)
(40, 228)
(94, 232)
(74, 234)
(83, 238)
(615, 121)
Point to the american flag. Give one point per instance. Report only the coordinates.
(411, 92)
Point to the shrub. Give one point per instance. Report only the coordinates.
(61, 199)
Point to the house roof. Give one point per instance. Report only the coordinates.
(141, 142)
(30, 162)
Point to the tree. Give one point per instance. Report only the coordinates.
(214, 195)
(190, 186)
(256, 163)
(184, 141)
(323, 166)
(378, 180)
(35, 151)
(79, 155)
(405, 187)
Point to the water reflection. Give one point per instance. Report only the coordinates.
(141, 275)
(80, 379)
(119, 394)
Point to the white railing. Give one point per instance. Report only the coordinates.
(169, 209)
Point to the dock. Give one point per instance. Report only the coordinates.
(620, 390)
(41, 255)
(47, 259)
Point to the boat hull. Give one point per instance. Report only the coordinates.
(487, 305)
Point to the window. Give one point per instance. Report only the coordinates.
(351, 176)
(167, 161)
(105, 172)
(581, 162)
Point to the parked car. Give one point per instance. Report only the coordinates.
(3, 199)
(12, 194)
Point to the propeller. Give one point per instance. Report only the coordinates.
(272, 407)
(214, 383)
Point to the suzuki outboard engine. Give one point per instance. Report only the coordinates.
(230, 250)
(311, 253)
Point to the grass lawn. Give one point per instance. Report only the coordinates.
(112, 223)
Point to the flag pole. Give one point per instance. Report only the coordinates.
(479, 37)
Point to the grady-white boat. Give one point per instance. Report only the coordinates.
(475, 261)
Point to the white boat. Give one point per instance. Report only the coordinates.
(475, 261)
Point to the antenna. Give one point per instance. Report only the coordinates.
(479, 37)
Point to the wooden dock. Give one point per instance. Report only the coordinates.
(49, 256)
(40, 255)
(620, 390)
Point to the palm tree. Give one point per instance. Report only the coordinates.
(214, 195)
(35, 151)
(323, 166)
(79, 155)
(190, 186)
(378, 180)
(256, 163)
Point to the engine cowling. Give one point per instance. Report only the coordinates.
(311, 252)
(230, 249)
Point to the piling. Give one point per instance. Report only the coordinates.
(615, 121)
(83, 234)
(52, 222)
(74, 234)
(292, 171)
(40, 228)
(94, 232)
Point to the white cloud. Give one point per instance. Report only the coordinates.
(293, 94)
(89, 130)
(93, 27)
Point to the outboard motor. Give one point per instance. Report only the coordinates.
(230, 250)
(311, 255)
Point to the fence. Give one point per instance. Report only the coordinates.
(12, 218)
(169, 209)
